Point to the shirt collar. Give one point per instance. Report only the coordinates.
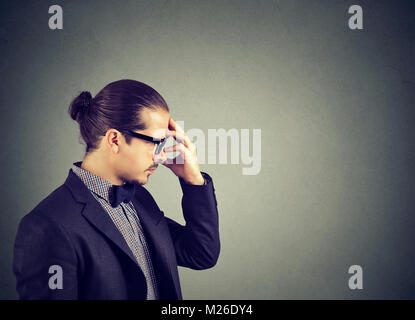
(94, 183)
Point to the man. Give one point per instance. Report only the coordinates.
(101, 235)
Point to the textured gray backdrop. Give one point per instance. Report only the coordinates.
(335, 107)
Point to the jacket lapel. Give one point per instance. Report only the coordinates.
(150, 220)
(96, 215)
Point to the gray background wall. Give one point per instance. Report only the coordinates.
(335, 107)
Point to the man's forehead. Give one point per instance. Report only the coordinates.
(156, 120)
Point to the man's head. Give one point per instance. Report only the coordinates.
(108, 123)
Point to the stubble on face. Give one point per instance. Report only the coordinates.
(156, 121)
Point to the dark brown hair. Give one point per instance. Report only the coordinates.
(118, 105)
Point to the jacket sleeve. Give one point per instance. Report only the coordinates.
(45, 263)
(197, 244)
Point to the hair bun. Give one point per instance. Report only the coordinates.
(85, 99)
(79, 105)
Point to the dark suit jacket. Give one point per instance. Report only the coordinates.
(70, 229)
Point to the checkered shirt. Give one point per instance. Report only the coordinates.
(126, 220)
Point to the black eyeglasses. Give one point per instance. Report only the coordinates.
(159, 142)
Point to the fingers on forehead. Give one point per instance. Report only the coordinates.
(180, 137)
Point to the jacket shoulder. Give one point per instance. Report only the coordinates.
(59, 205)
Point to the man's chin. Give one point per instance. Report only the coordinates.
(141, 181)
(144, 179)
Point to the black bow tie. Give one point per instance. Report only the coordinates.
(118, 194)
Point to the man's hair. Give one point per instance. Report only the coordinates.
(118, 105)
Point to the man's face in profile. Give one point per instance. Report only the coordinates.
(137, 161)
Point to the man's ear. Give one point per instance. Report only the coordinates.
(113, 138)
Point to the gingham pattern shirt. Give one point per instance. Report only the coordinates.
(126, 220)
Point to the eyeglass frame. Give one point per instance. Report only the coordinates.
(158, 142)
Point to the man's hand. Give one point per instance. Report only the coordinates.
(187, 167)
